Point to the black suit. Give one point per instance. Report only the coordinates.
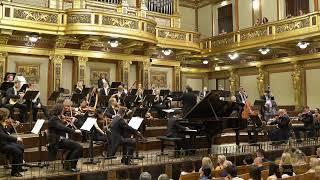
(174, 127)
(110, 112)
(57, 140)
(283, 130)
(9, 146)
(308, 126)
(103, 92)
(189, 100)
(100, 83)
(119, 131)
(10, 93)
(35, 109)
(203, 94)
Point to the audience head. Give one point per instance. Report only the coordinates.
(314, 162)
(260, 153)
(187, 167)
(80, 84)
(227, 163)
(163, 177)
(57, 109)
(258, 162)
(255, 173)
(4, 114)
(301, 12)
(139, 86)
(206, 161)
(274, 170)
(286, 159)
(221, 159)
(207, 171)
(248, 160)
(299, 156)
(145, 176)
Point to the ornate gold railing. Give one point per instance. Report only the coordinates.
(274, 32)
(172, 37)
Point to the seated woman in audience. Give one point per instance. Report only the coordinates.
(206, 173)
(226, 164)
(187, 168)
(255, 173)
(206, 162)
(314, 165)
(286, 165)
(232, 173)
(299, 158)
(163, 177)
(221, 160)
(248, 160)
(274, 172)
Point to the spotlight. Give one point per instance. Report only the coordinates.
(167, 52)
(33, 38)
(205, 61)
(113, 43)
(303, 45)
(233, 56)
(264, 51)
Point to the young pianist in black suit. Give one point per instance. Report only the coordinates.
(58, 138)
(9, 145)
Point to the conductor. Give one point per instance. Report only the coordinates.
(188, 99)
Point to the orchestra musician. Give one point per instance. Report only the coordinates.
(241, 95)
(92, 97)
(316, 118)
(188, 99)
(10, 78)
(159, 104)
(112, 108)
(308, 124)
(120, 95)
(102, 80)
(36, 103)
(282, 132)
(79, 87)
(11, 145)
(105, 89)
(58, 138)
(269, 108)
(139, 94)
(21, 78)
(173, 126)
(119, 131)
(204, 92)
(14, 98)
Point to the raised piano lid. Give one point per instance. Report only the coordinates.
(210, 107)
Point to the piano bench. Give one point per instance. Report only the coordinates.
(169, 141)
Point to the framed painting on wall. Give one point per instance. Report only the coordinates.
(158, 79)
(95, 75)
(30, 71)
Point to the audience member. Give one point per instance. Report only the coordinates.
(286, 165)
(206, 173)
(301, 13)
(206, 161)
(299, 158)
(163, 177)
(265, 20)
(314, 165)
(255, 173)
(248, 160)
(274, 172)
(261, 153)
(232, 173)
(221, 160)
(145, 176)
(187, 168)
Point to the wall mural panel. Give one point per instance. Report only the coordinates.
(158, 79)
(30, 71)
(95, 75)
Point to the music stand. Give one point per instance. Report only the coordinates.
(164, 92)
(196, 93)
(133, 91)
(76, 98)
(112, 91)
(115, 84)
(147, 92)
(7, 74)
(128, 100)
(24, 87)
(103, 99)
(37, 130)
(6, 85)
(29, 96)
(149, 98)
(54, 96)
(87, 126)
(85, 91)
(140, 112)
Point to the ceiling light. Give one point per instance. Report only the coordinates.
(205, 61)
(303, 45)
(216, 59)
(33, 38)
(255, 4)
(233, 56)
(167, 52)
(114, 43)
(224, 3)
(264, 51)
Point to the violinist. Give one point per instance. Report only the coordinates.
(139, 94)
(120, 95)
(308, 124)
(36, 103)
(58, 138)
(79, 87)
(242, 96)
(112, 108)
(102, 82)
(159, 104)
(10, 146)
(119, 131)
(92, 97)
(105, 89)
(99, 134)
(269, 108)
(281, 133)
(69, 114)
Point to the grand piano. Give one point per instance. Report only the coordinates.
(213, 114)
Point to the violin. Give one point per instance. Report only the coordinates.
(11, 124)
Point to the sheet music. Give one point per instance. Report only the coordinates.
(88, 124)
(168, 110)
(135, 122)
(37, 127)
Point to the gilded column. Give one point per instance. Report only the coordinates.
(124, 71)
(56, 62)
(261, 81)
(82, 64)
(233, 85)
(3, 58)
(297, 84)
(145, 74)
(177, 76)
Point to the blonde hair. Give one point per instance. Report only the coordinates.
(286, 159)
(221, 159)
(206, 161)
(314, 162)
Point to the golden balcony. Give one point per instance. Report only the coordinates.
(293, 29)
